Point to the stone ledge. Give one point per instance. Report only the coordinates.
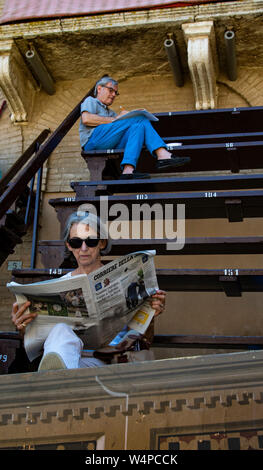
(136, 405)
(214, 373)
(130, 19)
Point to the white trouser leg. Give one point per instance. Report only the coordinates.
(63, 341)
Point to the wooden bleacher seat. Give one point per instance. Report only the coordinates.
(53, 252)
(232, 205)
(217, 140)
(13, 358)
(232, 156)
(167, 184)
(233, 282)
(228, 140)
(220, 139)
(213, 121)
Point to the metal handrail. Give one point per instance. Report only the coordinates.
(19, 185)
(2, 107)
(21, 161)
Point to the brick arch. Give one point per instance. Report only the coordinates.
(229, 97)
(248, 86)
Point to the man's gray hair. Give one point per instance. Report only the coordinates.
(103, 81)
(90, 219)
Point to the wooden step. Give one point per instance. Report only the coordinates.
(170, 183)
(10, 347)
(53, 252)
(208, 342)
(232, 205)
(224, 136)
(214, 121)
(232, 141)
(233, 156)
(230, 281)
(13, 359)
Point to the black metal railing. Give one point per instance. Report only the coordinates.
(2, 107)
(26, 174)
(25, 169)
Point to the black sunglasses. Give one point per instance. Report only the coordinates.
(76, 242)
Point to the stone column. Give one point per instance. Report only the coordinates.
(202, 62)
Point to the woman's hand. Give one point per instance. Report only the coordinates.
(21, 319)
(157, 301)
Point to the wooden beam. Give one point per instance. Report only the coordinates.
(169, 183)
(208, 341)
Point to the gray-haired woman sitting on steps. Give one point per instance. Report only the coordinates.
(87, 239)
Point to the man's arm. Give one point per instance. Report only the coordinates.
(94, 120)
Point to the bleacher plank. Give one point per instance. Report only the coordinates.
(53, 251)
(193, 122)
(10, 349)
(215, 138)
(223, 147)
(170, 183)
(230, 281)
(232, 141)
(232, 205)
(233, 156)
(208, 341)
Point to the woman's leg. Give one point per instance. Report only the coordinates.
(62, 349)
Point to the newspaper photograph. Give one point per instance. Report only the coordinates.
(97, 306)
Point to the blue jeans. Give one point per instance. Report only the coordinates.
(130, 134)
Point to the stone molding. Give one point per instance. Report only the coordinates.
(208, 402)
(134, 405)
(202, 62)
(178, 385)
(29, 30)
(16, 82)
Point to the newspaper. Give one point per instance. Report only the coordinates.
(97, 306)
(138, 112)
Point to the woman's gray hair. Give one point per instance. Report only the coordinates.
(93, 221)
(103, 81)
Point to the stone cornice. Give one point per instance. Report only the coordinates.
(176, 384)
(132, 19)
(77, 41)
